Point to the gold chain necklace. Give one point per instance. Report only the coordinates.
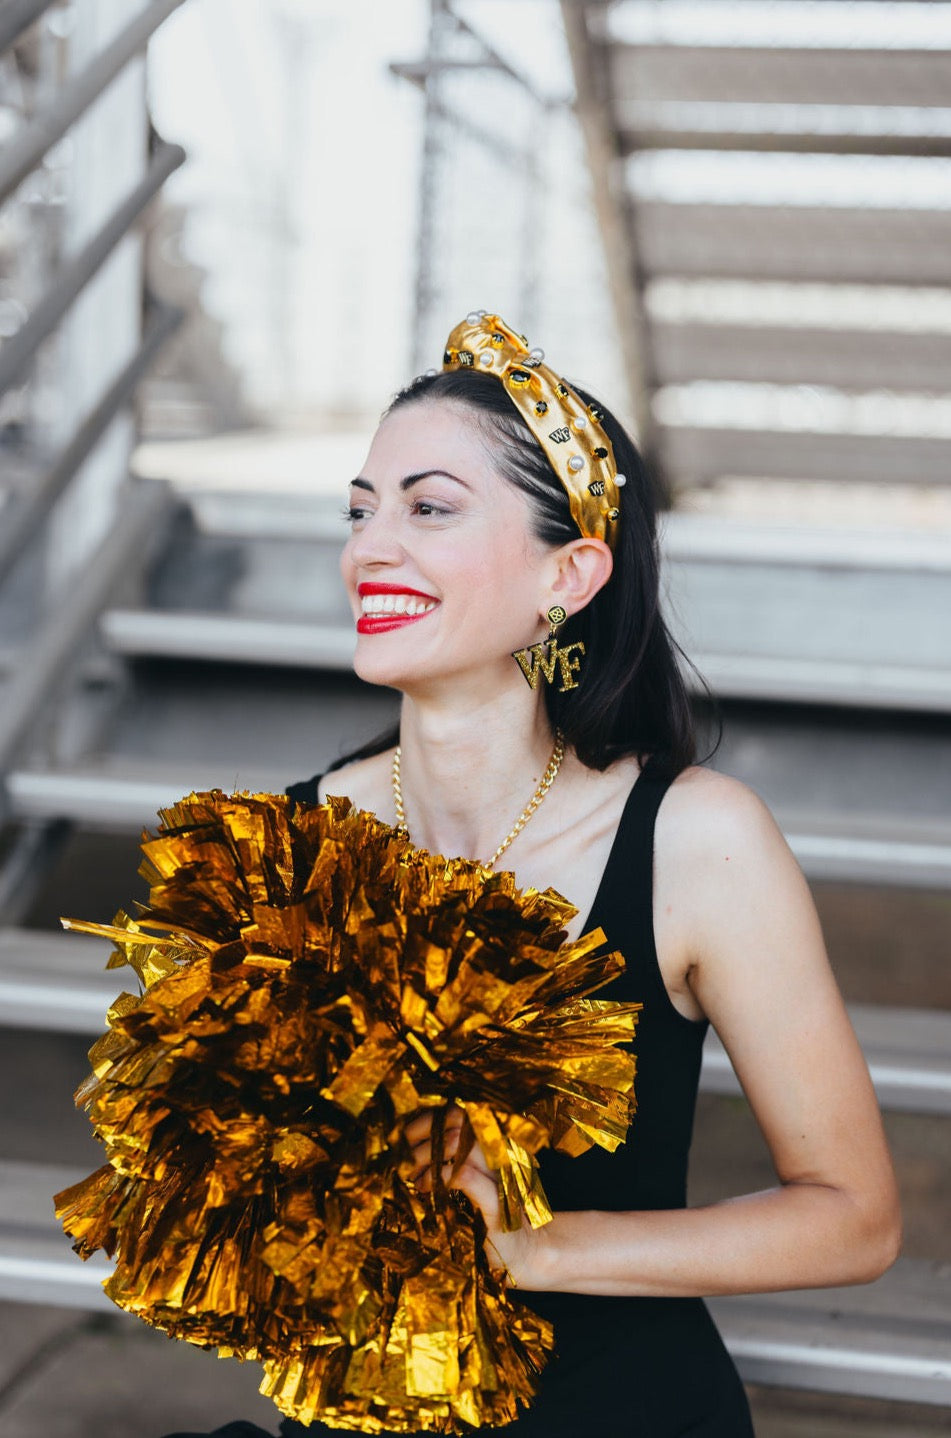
(547, 779)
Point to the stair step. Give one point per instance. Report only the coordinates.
(123, 793)
(126, 793)
(793, 74)
(824, 681)
(869, 850)
(226, 638)
(908, 1052)
(58, 981)
(37, 1264)
(891, 1339)
(801, 614)
(230, 637)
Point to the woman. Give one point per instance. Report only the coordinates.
(476, 531)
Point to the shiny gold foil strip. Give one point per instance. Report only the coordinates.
(307, 982)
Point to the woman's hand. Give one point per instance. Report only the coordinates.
(519, 1252)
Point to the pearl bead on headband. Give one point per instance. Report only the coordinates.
(568, 430)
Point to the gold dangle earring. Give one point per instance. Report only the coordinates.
(539, 661)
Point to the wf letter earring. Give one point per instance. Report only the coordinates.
(539, 661)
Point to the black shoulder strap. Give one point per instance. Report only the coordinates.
(626, 897)
(641, 818)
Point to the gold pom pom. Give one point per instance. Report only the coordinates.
(308, 982)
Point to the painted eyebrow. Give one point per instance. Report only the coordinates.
(409, 480)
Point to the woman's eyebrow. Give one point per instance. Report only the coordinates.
(409, 480)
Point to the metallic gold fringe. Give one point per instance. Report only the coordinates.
(308, 982)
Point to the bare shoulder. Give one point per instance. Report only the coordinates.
(712, 828)
(703, 808)
(726, 881)
(365, 781)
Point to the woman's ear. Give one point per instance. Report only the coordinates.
(581, 568)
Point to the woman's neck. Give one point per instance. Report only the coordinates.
(468, 771)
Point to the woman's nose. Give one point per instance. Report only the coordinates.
(375, 542)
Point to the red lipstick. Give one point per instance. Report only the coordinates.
(383, 623)
(367, 586)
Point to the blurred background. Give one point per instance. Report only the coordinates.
(229, 231)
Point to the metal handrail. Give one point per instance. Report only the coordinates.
(27, 511)
(21, 347)
(27, 148)
(19, 15)
(139, 509)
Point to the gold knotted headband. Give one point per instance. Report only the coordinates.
(568, 430)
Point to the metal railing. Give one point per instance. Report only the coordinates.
(138, 516)
(17, 16)
(45, 664)
(25, 513)
(75, 276)
(28, 147)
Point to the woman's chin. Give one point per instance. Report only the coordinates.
(374, 667)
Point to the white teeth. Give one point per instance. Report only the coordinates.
(395, 604)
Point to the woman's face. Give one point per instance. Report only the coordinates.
(443, 571)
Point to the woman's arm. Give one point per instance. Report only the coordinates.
(735, 918)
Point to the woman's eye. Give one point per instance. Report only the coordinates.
(426, 510)
(357, 513)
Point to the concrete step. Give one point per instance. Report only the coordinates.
(812, 615)
(59, 982)
(218, 515)
(255, 639)
(56, 981)
(36, 1262)
(862, 244)
(230, 638)
(120, 792)
(891, 1339)
(798, 73)
(776, 612)
(908, 1052)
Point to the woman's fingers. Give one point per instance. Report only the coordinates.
(419, 1132)
(423, 1157)
(471, 1173)
(481, 1187)
(420, 1127)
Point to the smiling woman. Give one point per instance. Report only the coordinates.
(502, 512)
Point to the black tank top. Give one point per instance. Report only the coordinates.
(630, 1367)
